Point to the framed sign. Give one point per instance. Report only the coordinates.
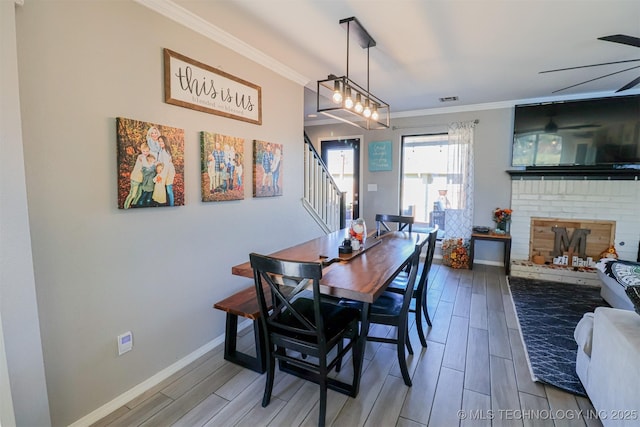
(192, 84)
(380, 156)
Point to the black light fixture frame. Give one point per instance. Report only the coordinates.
(326, 87)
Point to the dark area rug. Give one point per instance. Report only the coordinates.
(548, 313)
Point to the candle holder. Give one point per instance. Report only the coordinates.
(346, 247)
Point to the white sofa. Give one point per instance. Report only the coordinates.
(608, 364)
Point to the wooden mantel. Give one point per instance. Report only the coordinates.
(610, 173)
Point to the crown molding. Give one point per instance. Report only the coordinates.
(507, 104)
(190, 20)
(486, 106)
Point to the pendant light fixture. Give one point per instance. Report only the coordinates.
(343, 99)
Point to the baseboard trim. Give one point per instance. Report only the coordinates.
(152, 381)
(478, 261)
(487, 262)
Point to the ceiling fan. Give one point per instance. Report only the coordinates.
(616, 38)
(552, 127)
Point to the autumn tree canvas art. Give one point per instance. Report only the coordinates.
(222, 168)
(150, 164)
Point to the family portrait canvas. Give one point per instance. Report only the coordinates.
(267, 167)
(222, 167)
(150, 164)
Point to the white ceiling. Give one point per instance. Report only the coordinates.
(482, 51)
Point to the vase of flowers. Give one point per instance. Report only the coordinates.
(502, 218)
(358, 230)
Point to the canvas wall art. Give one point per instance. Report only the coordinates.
(267, 169)
(222, 167)
(150, 164)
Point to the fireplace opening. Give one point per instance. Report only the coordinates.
(570, 242)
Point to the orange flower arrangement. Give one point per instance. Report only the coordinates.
(502, 215)
(455, 253)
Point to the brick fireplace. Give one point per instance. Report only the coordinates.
(571, 198)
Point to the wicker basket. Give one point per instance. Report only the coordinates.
(455, 253)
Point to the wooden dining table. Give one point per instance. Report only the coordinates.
(362, 275)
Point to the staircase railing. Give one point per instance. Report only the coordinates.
(322, 197)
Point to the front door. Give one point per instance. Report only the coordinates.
(342, 157)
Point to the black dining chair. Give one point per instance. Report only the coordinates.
(384, 220)
(399, 285)
(392, 309)
(403, 223)
(298, 327)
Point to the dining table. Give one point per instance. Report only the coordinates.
(362, 275)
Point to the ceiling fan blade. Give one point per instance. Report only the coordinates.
(629, 85)
(622, 38)
(597, 78)
(542, 129)
(587, 66)
(577, 127)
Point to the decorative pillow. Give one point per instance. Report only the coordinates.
(627, 273)
(634, 295)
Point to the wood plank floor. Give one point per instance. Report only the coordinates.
(474, 372)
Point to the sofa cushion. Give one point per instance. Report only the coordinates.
(633, 292)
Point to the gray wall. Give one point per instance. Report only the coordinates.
(492, 158)
(100, 271)
(23, 394)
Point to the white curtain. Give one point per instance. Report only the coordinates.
(459, 219)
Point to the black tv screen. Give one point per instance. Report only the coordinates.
(590, 132)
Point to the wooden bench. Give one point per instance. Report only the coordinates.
(244, 303)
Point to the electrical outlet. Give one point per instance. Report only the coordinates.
(125, 343)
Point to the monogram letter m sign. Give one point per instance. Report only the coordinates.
(578, 242)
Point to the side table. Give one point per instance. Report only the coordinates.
(504, 238)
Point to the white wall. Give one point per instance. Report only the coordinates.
(100, 271)
(492, 155)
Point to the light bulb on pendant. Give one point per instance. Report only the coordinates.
(337, 93)
(359, 106)
(367, 111)
(348, 101)
(374, 113)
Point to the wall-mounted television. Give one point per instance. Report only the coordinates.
(592, 132)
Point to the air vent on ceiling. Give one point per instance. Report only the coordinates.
(449, 99)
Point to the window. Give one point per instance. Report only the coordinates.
(425, 180)
(437, 179)
(538, 149)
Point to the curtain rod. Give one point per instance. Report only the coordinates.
(476, 121)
